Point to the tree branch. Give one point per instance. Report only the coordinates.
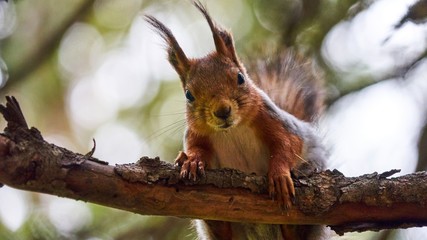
(153, 187)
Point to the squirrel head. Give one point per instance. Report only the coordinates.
(219, 93)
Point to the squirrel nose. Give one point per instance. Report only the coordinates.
(223, 112)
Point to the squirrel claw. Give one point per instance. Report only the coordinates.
(183, 173)
(190, 166)
(281, 187)
(180, 159)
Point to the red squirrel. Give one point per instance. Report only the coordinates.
(233, 123)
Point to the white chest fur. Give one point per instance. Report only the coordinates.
(240, 148)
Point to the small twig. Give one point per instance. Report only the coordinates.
(389, 173)
(92, 151)
(13, 114)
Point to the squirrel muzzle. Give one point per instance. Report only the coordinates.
(223, 114)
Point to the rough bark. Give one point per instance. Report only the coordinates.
(152, 187)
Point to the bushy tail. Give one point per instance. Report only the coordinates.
(292, 82)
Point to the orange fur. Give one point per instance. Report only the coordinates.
(230, 119)
(285, 147)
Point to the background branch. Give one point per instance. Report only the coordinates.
(41, 53)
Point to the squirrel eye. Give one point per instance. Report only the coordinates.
(240, 78)
(189, 96)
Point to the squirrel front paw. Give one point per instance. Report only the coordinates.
(191, 165)
(281, 187)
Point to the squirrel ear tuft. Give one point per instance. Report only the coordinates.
(223, 39)
(176, 56)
